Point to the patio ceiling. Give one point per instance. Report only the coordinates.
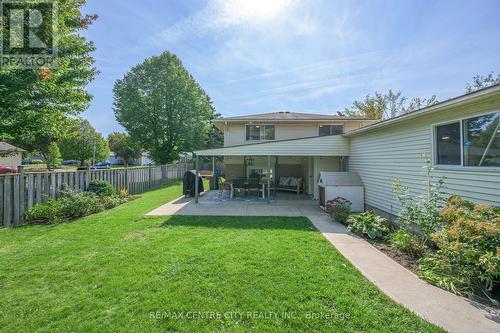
(332, 145)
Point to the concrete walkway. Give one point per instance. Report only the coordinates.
(451, 312)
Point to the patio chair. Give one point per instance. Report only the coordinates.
(254, 185)
(239, 187)
(224, 189)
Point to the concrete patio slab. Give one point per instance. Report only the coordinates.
(449, 311)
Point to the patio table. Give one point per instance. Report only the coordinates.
(230, 183)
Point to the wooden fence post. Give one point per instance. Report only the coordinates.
(126, 176)
(7, 200)
(22, 193)
(86, 186)
(150, 176)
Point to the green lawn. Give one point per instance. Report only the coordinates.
(118, 271)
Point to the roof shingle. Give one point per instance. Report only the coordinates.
(7, 147)
(286, 115)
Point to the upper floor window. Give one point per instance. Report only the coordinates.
(260, 132)
(330, 130)
(469, 142)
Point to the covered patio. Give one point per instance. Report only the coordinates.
(282, 168)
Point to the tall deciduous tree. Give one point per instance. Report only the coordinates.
(35, 103)
(388, 105)
(83, 141)
(124, 147)
(163, 108)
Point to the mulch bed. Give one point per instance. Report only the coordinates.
(407, 261)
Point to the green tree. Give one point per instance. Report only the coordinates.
(123, 146)
(419, 103)
(215, 137)
(371, 107)
(388, 105)
(163, 108)
(53, 157)
(83, 141)
(35, 104)
(480, 82)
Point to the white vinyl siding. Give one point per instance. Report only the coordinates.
(381, 155)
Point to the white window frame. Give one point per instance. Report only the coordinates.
(331, 124)
(461, 166)
(260, 140)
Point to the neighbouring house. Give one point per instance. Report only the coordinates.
(461, 136)
(114, 159)
(144, 159)
(10, 155)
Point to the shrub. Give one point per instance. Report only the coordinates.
(36, 162)
(50, 212)
(422, 210)
(408, 242)
(101, 187)
(81, 204)
(468, 256)
(113, 200)
(339, 209)
(71, 204)
(369, 224)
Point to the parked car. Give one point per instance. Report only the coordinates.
(84, 167)
(6, 169)
(102, 165)
(69, 162)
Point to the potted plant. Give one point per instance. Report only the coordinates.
(339, 209)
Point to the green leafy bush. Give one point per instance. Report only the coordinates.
(70, 205)
(422, 210)
(36, 162)
(468, 255)
(368, 224)
(81, 204)
(50, 212)
(113, 200)
(408, 242)
(339, 209)
(101, 187)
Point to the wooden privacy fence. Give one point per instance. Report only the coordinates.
(20, 191)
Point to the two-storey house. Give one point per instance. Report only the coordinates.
(300, 144)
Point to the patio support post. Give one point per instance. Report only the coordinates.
(196, 181)
(268, 178)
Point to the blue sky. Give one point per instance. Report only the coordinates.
(254, 56)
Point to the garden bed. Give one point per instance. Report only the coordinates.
(456, 248)
(72, 204)
(407, 261)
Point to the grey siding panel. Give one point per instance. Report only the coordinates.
(382, 155)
